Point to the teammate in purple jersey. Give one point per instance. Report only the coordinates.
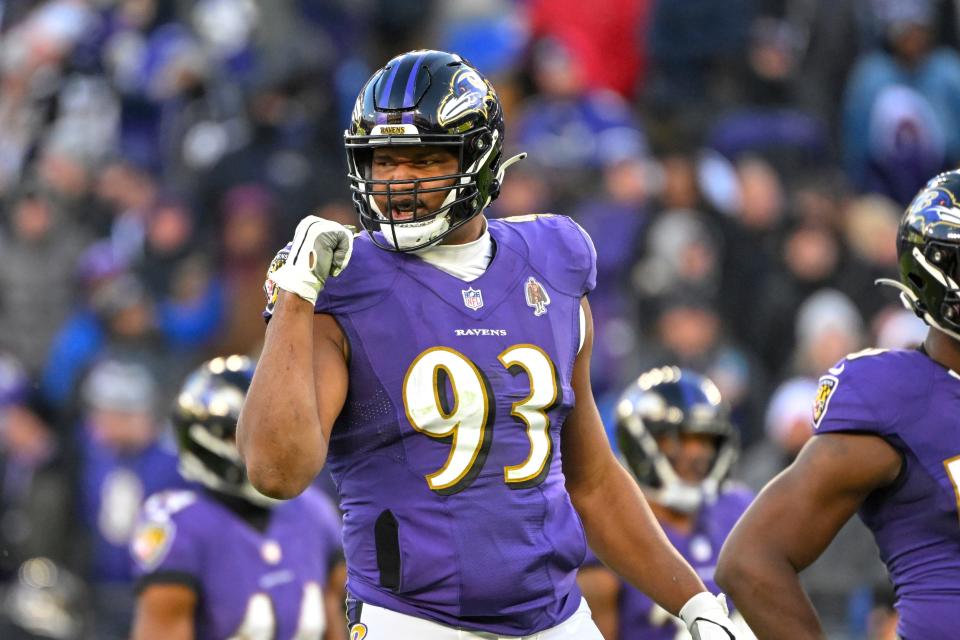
(223, 561)
(675, 437)
(436, 375)
(887, 445)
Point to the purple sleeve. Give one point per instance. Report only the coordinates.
(164, 547)
(590, 268)
(848, 395)
(570, 263)
(560, 250)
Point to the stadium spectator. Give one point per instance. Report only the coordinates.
(247, 244)
(35, 481)
(901, 109)
(786, 427)
(38, 249)
(810, 260)
(828, 327)
(123, 459)
(616, 221)
(573, 130)
(590, 31)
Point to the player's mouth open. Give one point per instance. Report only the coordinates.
(406, 212)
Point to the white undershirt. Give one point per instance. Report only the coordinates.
(464, 261)
(468, 262)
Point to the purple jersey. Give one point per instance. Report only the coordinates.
(642, 619)
(911, 402)
(250, 583)
(446, 455)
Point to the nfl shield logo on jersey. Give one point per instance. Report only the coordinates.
(472, 298)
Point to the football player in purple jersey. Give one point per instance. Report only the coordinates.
(439, 389)
(886, 445)
(675, 437)
(222, 560)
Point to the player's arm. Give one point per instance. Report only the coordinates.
(619, 524)
(790, 524)
(300, 383)
(296, 394)
(165, 611)
(601, 588)
(334, 595)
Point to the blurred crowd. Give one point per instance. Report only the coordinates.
(740, 165)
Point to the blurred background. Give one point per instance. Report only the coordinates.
(741, 166)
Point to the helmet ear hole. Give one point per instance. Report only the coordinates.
(916, 281)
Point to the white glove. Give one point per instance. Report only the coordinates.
(707, 617)
(320, 248)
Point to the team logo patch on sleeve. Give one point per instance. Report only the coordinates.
(151, 542)
(828, 384)
(270, 290)
(358, 631)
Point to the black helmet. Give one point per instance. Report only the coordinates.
(205, 419)
(670, 400)
(423, 98)
(928, 249)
